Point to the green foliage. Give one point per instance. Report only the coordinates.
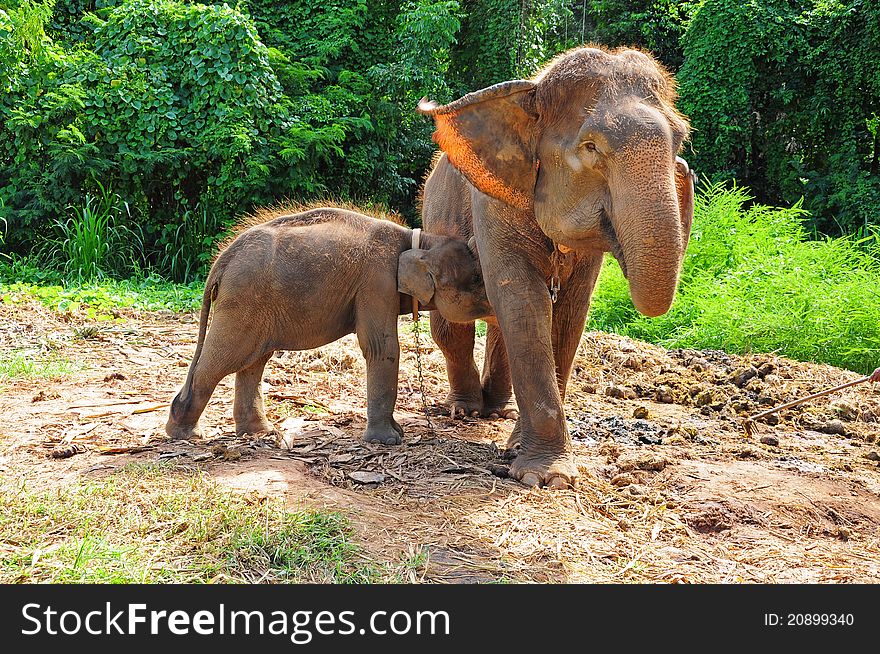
(789, 105)
(655, 25)
(488, 44)
(173, 103)
(753, 282)
(22, 281)
(23, 28)
(3, 226)
(189, 245)
(505, 39)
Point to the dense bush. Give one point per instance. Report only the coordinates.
(190, 118)
(190, 114)
(790, 104)
(753, 282)
(175, 104)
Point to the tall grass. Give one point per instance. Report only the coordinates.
(94, 243)
(752, 281)
(189, 246)
(21, 364)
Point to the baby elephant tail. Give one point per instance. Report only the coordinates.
(181, 404)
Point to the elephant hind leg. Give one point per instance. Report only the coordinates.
(249, 412)
(497, 387)
(183, 419)
(189, 404)
(227, 349)
(456, 341)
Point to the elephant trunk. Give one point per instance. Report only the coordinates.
(652, 233)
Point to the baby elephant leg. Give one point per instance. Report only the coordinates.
(213, 365)
(250, 416)
(379, 344)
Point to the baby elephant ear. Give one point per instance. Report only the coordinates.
(413, 276)
(490, 136)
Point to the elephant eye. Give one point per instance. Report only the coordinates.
(589, 146)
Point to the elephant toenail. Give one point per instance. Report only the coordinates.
(558, 482)
(531, 479)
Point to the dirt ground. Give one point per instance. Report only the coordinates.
(672, 489)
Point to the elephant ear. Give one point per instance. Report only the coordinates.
(685, 179)
(490, 137)
(414, 277)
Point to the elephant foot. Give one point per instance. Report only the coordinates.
(479, 406)
(496, 410)
(178, 432)
(550, 470)
(460, 405)
(498, 406)
(388, 434)
(257, 426)
(505, 412)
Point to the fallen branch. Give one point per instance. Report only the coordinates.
(103, 404)
(153, 407)
(300, 400)
(749, 423)
(124, 449)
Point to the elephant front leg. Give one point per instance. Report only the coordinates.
(469, 394)
(382, 353)
(570, 314)
(519, 295)
(569, 318)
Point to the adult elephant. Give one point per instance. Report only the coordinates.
(549, 174)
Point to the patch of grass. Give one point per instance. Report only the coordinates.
(423, 325)
(413, 564)
(22, 364)
(753, 282)
(93, 243)
(315, 410)
(163, 524)
(21, 280)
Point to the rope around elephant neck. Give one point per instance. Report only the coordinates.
(416, 328)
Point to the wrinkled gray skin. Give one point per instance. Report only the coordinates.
(304, 280)
(581, 157)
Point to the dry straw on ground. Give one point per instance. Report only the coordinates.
(678, 494)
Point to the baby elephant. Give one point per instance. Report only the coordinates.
(302, 280)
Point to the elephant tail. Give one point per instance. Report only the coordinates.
(181, 402)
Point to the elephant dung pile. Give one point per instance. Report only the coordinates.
(715, 385)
